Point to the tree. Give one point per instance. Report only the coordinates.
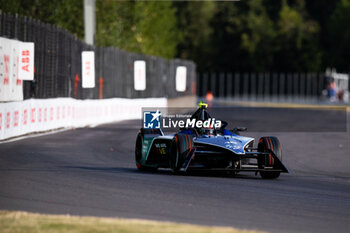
(137, 26)
(251, 35)
(339, 37)
(297, 40)
(155, 29)
(258, 37)
(66, 14)
(114, 22)
(194, 23)
(142, 27)
(225, 53)
(243, 38)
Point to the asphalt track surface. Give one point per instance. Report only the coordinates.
(91, 171)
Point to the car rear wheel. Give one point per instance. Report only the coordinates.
(180, 147)
(268, 144)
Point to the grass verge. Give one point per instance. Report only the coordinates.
(15, 221)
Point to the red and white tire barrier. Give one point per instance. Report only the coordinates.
(38, 115)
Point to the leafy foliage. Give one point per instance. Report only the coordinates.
(259, 36)
(63, 13)
(298, 40)
(251, 35)
(339, 34)
(194, 22)
(142, 27)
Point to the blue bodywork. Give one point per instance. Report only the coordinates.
(234, 143)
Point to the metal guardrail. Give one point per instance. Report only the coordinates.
(58, 61)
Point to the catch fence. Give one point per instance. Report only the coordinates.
(58, 70)
(275, 87)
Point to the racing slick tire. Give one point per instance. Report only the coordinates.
(267, 144)
(138, 155)
(180, 147)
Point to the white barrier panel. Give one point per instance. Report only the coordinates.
(11, 88)
(5, 50)
(88, 69)
(15, 82)
(26, 61)
(181, 72)
(38, 115)
(2, 95)
(2, 121)
(140, 75)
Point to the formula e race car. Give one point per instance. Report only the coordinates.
(203, 148)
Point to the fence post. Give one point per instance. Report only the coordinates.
(245, 86)
(213, 84)
(320, 85)
(16, 26)
(302, 87)
(253, 86)
(261, 86)
(274, 86)
(204, 84)
(295, 87)
(100, 91)
(4, 27)
(236, 86)
(282, 87)
(314, 87)
(221, 85)
(229, 85)
(308, 86)
(267, 86)
(1, 21)
(289, 86)
(76, 82)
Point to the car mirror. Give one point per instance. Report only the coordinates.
(223, 125)
(238, 129)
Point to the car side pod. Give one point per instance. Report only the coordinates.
(270, 158)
